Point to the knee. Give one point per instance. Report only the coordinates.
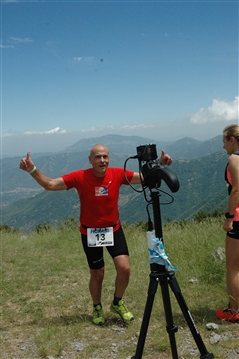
(97, 274)
(125, 270)
(233, 265)
(122, 265)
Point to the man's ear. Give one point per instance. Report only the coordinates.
(89, 158)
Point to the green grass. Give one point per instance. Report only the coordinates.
(46, 305)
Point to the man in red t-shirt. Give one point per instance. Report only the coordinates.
(98, 189)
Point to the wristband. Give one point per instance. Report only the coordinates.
(228, 215)
(33, 170)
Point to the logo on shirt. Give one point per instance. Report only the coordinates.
(101, 191)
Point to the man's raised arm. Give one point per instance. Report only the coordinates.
(165, 159)
(50, 184)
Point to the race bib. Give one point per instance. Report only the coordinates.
(99, 237)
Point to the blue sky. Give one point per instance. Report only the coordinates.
(79, 69)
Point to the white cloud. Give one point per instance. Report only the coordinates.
(56, 130)
(89, 58)
(217, 112)
(77, 58)
(15, 143)
(6, 46)
(139, 126)
(118, 128)
(21, 40)
(15, 40)
(85, 59)
(8, 134)
(59, 130)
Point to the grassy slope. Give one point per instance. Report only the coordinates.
(46, 306)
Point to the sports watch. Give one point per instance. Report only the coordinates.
(228, 215)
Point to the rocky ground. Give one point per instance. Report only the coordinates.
(27, 349)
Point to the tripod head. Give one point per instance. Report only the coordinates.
(153, 172)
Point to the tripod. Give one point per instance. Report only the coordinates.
(159, 274)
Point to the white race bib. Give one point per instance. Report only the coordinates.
(99, 237)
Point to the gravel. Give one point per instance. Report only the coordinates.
(28, 349)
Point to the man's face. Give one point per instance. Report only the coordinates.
(99, 159)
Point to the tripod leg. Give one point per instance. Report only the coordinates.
(188, 317)
(171, 327)
(147, 313)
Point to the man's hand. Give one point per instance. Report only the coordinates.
(26, 163)
(165, 159)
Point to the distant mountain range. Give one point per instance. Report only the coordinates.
(198, 165)
(186, 148)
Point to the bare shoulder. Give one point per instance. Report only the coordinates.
(233, 160)
(233, 166)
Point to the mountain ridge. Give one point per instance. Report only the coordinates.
(26, 204)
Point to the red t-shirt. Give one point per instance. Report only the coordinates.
(98, 196)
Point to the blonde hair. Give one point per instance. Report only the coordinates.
(231, 131)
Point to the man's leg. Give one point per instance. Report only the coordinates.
(95, 260)
(122, 266)
(95, 284)
(120, 254)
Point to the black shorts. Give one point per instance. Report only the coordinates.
(234, 233)
(95, 255)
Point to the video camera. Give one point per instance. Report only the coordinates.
(153, 171)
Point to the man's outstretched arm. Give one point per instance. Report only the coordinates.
(50, 184)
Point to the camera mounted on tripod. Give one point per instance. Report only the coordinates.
(161, 269)
(153, 171)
